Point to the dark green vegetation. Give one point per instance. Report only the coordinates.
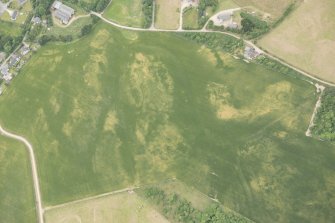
(216, 41)
(147, 7)
(324, 121)
(252, 26)
(16, 190)
(279, 67)
(178, 209)
(203, 5)
(119, 108)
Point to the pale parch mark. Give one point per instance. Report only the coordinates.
(273, 98)
(101, 38)
(111, 121)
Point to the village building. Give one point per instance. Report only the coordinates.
(22, 2)
(224, 17)
(36, 20)
(14, 15)
(4, 69)
(250, 53)
(14, 60)
(62, 12)
(24, 50)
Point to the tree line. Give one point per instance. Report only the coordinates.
(324, 122)
(178, 209)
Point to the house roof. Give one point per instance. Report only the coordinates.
(37, 20)
(66, 9)
(62, 16)
(224, 16)
(57, 4)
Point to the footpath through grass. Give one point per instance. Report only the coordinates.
(119, 108)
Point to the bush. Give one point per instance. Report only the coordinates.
(147, 7)
(252, 26)
(324, 122)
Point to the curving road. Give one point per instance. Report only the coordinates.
(152, 29)
(38, 200)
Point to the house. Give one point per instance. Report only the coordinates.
(14, 15)
(62, 12)
(14, 60)
(224, 17)
(36, 20)
(250, 53)
(24, 50)
(4, 70)
(22, 2)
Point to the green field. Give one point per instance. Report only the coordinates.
(125, 12)
(118, 108)
(190, 18)
(9, 28)
(16, 191)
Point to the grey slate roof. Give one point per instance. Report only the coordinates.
(224, 16)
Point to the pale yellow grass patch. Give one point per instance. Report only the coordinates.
(306, 39)
(41, 120)
(111, 121)
(122, 208)
(54, 104)
(272, 99)
(101, 38)
(208, 54)
(67, 129)
(167, 14)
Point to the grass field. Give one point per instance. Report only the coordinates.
(117, 109)
(123, 207)
(274, 7)
(307, 42)
(167, 14)
(9, 28)
(190, 18)
(16, 191)
(125, 12)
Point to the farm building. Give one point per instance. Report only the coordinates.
(250, 53)
(62, 12)
(224, 17)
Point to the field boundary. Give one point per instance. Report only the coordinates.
(247, 42)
